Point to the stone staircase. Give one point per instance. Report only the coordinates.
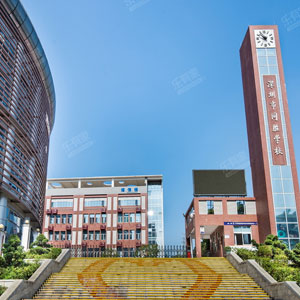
(149, 278)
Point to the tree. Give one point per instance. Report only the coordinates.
(13, 252)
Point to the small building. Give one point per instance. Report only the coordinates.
(220, 213)
(120, 212)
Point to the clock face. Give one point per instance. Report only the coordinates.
(264, 38)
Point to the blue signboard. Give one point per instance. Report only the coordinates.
(240, 223)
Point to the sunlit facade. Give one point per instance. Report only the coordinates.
(27, 110)
(120, 212)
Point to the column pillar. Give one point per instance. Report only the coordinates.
(3, 210)
(26, 230)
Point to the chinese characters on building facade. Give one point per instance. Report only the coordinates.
(274, 120)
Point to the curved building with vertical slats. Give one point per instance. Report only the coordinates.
(27, 111)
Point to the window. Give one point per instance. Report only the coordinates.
(69, 236)
(85, 235)
(85, 218)
(132, 234)
(132, 218)
(138, 217)
(51, 219)
(62, 203)
(70, 219)
(138, 234)
(210, 207)
(91, 202)
(91, 235)
(103, 235)
(129, 201)
(120, 235)
(57, 235)
(57, 219)
(125, 234)
(129, 189)
(63, 235)
(122, 189)
(97, 218)
(50, 235)
(97, 235)
(126, 218)
(241, 208)
(120, 218)
(242, 235)
(103, 218)
(63, 219)
(136, 189)
(92, 219)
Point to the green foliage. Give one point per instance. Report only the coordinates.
(13, 252)
(2, 290)
(245, 253)
(147, 251)
(205, 247)
(294, 255)
(109, 253)
(265, 251)
(23, 272)
(254, 244)
(41, 241)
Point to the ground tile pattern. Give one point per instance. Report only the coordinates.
(149, 278)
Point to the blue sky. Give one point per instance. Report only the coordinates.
(154, 87)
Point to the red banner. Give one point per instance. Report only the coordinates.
(274, 120)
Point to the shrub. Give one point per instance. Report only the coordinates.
(245, 253)
(294, 255)
(265, 251)
(54, 253)
(2, 290)
(13, 253)
(41, 241)
(23, 272)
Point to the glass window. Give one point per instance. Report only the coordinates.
(126, 218)
(132, 218)
(277, 186)
(62, 203)
(262, 60)
(97, 218)
(288, 186)
(294, 242)
(91, 235)
(241, 209)
(280, 215)
(286, 172)
(291, 215)
(290, 200)
(126, 235)
(282, 231)
(70, 219)
(103, 218)
(85, 235)
(91, 202)
(63, 235)
(263, 70)
(129, 189)
(279, 200)
(69, 236)
(85, 218)
(261, 52)
(271, 52)
(57, 235)
(122, 189)
(57, 219)
(132, 234)
(129, 201)
(52, 219)
(273, 70)
(275, 172)
(64, 219)
(120, 217)
(92, 218)
(242, 235)
(50, 235)
(210, 207)
(138, 234)
(136, 189)
(138, 217)
(293, 230)
(103, 235)
(120, 235)
(97, 235)
(272, 60)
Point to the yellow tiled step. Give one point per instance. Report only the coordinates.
(140, 278)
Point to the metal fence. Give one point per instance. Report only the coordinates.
(144, 251)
